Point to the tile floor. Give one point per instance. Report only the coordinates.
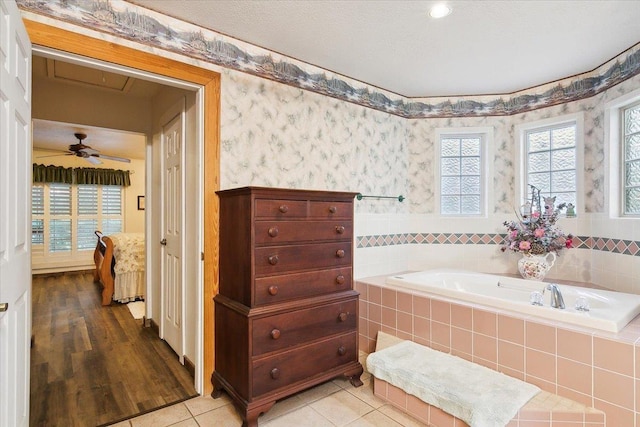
(334, 403)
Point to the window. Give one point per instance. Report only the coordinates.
(462, 171)
(64, 216)
(631, 160)
(550, 161)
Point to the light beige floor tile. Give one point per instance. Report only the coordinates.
(341, 408)
(224, 416)
(374, 419)
(282, 407)
(163, 417)
(365, 393)
(125, 423)
(400, 417)
(186, 423)
(202, 404)
(304, 416)
(318, 392)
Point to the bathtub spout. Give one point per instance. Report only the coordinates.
(556, 296)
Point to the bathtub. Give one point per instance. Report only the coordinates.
(608, 310)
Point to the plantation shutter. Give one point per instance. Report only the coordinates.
(87, 206)
(60, 222)
(37, 220)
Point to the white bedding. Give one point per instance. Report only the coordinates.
(129, 253)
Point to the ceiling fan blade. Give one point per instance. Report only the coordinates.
(55, 155)
(93, 160)
(89, 151)
(117, 159)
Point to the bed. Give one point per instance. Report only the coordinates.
(120, 266)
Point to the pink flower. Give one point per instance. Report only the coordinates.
(536, 214)
(514, 234)
(568, 243)
(525, 246)
(539, 232)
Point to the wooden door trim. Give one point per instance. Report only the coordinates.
(67, 41)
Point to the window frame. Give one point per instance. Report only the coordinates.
(486, 149)
(622, 155)
(614, 188)
(523, 193)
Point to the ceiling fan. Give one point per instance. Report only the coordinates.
(89, 154)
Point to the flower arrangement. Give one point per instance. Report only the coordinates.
(537, 233)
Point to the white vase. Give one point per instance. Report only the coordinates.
(535, 267)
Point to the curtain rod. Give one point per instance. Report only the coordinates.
(360, 196)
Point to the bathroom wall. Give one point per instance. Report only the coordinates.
(278, 134)
(431, 241)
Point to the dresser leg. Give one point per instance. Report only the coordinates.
(354, 376)
(252, 414)
(217, 387)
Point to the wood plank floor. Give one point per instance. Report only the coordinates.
(94, 365)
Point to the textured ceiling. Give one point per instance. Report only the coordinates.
(483, 47)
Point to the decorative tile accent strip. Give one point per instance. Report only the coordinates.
(132, 22)
(618, 246)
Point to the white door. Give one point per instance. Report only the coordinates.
(15, 214)
(172, 211)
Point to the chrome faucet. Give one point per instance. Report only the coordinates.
(556, 296)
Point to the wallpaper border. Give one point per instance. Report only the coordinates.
(126, 20)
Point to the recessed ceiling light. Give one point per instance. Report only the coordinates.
(440, 10)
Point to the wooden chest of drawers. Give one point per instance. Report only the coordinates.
(286, 316)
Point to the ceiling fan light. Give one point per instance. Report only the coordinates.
(439, 10)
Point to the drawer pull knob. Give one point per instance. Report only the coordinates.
(273, 290)
(340, 279)
(283, 208)
(275, 334)
(340, 253)
(340, 229)
(273, 231)
(275, 373)
(333, 209)
(342, 317)
(273, 259)
(342, 350)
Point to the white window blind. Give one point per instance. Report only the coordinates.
(631, 160)
(551, 161)
(37, 219)
(111, 200)
(87, 199)
(65, 217)
(59, 199)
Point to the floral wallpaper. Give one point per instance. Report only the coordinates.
(281, 136)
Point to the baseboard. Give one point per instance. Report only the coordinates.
(58, 273)
(150, 323)
(191, 367)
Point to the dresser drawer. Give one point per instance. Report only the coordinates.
(268, 208)
(299, 326)
(274, 289)
(329, 209)
(300, 363)
(282, 259)
(279, 232)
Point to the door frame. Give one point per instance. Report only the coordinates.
(63, 40)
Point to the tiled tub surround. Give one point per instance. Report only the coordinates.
(597, 369)
(606, 251)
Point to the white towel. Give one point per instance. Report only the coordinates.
(473, 393)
